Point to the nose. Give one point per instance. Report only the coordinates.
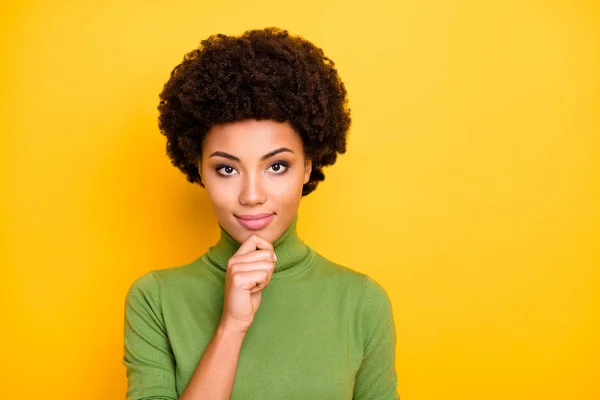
(252, 192)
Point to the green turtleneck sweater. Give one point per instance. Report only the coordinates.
(322, 331)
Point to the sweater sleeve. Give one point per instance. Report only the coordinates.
(376, 378)
(149, 361)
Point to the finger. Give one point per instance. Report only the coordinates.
(257, 289)
(248, 280)
(258, 255)
(252, 243)
(267, 266)
(261, 265)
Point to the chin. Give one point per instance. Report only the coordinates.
(268, 233)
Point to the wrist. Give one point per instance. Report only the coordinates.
(231, 329)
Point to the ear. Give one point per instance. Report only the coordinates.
(307, 170)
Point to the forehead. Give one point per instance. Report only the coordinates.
(251, 138)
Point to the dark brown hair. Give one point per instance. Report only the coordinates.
(261, 74)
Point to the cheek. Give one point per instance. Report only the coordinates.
(220, 195)
(288, 190)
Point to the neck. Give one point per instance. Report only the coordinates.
(289, 248)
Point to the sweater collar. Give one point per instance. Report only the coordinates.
(289, 248)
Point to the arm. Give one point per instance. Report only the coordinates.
(215, 373)
(149, 359)
(376, 378)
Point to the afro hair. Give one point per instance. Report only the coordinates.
(261, 74)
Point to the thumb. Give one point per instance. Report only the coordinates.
(256, 298)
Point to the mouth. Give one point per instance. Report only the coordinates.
(254, 222)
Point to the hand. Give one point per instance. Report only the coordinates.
(249, 271)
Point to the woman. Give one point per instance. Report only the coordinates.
(254, 119)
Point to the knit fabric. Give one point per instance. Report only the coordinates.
(322, 331)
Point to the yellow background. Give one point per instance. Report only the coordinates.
(470, 190)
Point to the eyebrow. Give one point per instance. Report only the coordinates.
(266, 156)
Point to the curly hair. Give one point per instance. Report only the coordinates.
(261, 74)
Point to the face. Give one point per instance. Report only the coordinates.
(253, 172)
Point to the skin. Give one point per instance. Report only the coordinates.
(252, 184)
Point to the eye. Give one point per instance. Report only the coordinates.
(279, 167)
(225, 170)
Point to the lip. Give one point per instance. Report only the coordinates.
(254, 222)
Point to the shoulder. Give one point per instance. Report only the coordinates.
(369, 290)
(145, 283)
(376, 298)
(153, 282)
(330, 269)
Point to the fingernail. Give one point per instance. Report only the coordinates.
(274, 257)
